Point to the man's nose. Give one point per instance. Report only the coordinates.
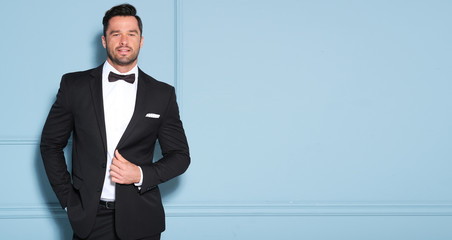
(123, 40)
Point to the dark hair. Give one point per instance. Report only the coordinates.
(121, 10)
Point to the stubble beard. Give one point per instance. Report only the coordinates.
(125, 61)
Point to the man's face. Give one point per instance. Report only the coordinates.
(123, 42)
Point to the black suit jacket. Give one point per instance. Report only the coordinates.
(78, 109)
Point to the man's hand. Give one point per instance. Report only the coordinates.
(123, 171)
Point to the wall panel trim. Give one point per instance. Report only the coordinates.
(177, 53)
(28, 141)
(258, 210)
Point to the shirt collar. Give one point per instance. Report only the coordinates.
(109, 68)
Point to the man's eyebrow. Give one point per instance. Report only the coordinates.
(117, 31)
(114, 31)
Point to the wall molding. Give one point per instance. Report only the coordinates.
(25, 142)
(258, 210)
(12, 142)
(178, 81)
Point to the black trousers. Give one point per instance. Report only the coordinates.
(104, 227)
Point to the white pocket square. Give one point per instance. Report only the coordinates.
(152, 115)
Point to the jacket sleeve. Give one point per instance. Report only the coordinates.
(56, 132)
(174, 146)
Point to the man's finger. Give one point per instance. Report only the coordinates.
(116, 162)
(114, 168)
(115, 176)
(115, 180)
(119, 156)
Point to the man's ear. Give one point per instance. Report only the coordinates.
(141, 42)
(104, 41)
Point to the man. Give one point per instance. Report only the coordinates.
(115, 113)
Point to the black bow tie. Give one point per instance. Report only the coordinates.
(113, 77)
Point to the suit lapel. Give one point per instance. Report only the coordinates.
(140, 107)
(97, 97)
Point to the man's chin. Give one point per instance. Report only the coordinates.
(123, 61)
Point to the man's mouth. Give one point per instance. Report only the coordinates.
(123, 51)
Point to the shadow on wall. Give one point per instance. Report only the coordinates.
(100, 54)
(59, 216)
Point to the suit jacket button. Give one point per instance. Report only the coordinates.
(104, 165)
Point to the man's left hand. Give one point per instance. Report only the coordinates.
(123, 171)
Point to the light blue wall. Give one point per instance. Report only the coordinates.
(306, 119)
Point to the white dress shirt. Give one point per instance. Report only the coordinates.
(119, 104)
